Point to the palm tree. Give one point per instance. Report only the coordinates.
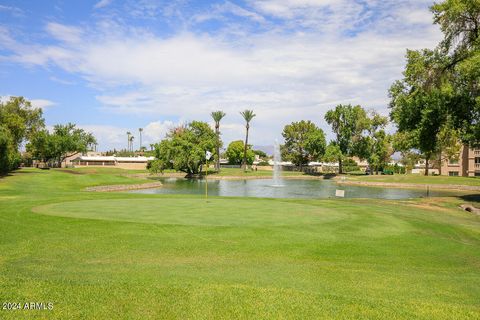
(131, 143)
(128, 140)
(140, 130)
(217, 116)
(248, 116)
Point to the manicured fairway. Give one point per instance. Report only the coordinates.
(133, 256)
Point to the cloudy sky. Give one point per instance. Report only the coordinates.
(113, 66)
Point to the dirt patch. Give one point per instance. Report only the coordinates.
(70, 171)
(428, 206)
(124, 187)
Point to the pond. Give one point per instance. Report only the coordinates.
(289, 189)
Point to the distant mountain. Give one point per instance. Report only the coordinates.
(267, 149)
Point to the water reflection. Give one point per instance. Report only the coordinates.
(291, 189)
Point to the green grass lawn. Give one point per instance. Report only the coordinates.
(418, 178)
(134, 256)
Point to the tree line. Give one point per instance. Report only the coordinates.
(23, 126)
(437, 103)
(435, 108)
(184, 148)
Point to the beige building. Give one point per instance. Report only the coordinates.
(136, 163)
(467, 165)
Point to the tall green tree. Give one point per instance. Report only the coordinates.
(304, 142)
(375, 144)
(348, 123)
(8, 154)
(217, 116)
(419, 104)
(459, 21)
(448, 145)
(21, 119)
(438, 96)
(184, 148)
(333, 153)
(19, 122)
(65, 141)
(234, 153)
(403, 143)
(247, 115)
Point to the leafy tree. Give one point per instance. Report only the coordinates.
(304, 142)
(350, 165)
(8, 154)
(21, 119)
(459, 20)
(375, 144)
(217, 116)
(65, 141)
(19, 122)
(235, 152)
(448, 145)
(333, 153)
(248, 115)
(347, 122)
(419, 104)
(184, 148)
(260, 153)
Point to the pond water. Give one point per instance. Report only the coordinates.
(290, 189)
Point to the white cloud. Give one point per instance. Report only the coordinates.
(36, 103)
(15, 11)
(102, 4)
(110, 137)
(283, 76)
(42, 103)
(68, 34)
(157, 130)
(218, 13)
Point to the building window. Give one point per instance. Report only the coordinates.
(477, 173)
(477, 160)
(453, 173)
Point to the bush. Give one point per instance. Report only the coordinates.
(349, 165)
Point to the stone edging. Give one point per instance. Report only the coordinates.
(124, 187)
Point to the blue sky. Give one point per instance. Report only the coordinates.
(114, 66)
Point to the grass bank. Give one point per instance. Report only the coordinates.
(134, 256)
(417, 179)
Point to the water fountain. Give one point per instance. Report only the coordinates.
(277, 167)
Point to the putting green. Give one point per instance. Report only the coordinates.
(233, 212)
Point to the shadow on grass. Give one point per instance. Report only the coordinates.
(2, 176)
(17, 171)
